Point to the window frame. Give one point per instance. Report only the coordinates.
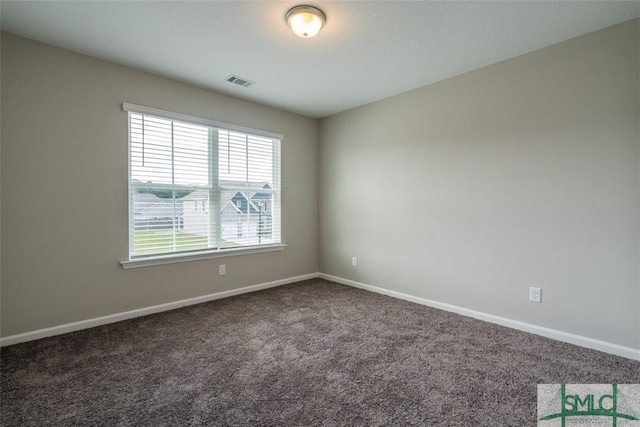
(169, 258)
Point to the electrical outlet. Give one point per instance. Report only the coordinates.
(222, 270)
(354, 261)
(535, 294)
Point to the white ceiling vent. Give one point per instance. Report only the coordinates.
(239, 81)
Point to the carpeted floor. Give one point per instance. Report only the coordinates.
(311, 353)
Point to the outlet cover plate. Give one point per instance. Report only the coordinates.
(535, 294)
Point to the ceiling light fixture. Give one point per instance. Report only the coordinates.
(305, 21)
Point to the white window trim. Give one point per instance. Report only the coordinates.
(141, 109)
(208, 254)
(184, 257)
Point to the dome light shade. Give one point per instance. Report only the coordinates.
(305, 21)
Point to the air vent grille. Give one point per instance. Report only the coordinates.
(239, 81)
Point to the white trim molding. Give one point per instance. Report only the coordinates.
(174, 258)
(117, 317)
(578, 340)
(141, 109)
(594, 344)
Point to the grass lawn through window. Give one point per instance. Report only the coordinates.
(157, 242)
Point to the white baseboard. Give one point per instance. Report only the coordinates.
(579, 340)
(615, 349)
(117, 317)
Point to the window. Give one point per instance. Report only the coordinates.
(198, 186)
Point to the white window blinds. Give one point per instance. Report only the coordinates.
(196, 185)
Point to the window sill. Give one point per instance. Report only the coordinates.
(172, 259)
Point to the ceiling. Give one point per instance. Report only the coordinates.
(367, 51)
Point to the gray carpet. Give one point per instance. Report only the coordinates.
(311, 353)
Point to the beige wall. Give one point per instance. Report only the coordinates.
(64, 189)
(523, 173)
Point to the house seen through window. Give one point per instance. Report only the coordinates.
(196, 187)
